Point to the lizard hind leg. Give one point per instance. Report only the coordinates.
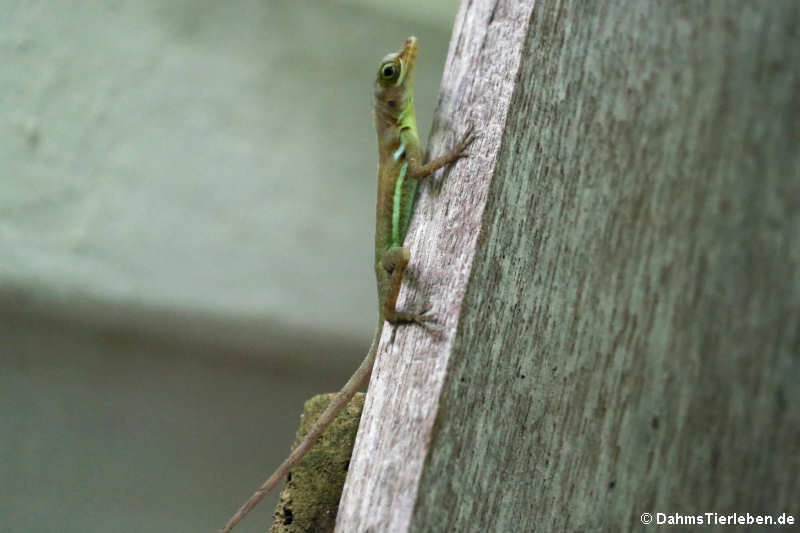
(393, 265)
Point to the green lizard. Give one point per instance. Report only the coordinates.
(400, 167)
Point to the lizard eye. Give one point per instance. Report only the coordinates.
(389, 72)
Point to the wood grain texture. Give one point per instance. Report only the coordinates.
(618, 275)
(401, 406)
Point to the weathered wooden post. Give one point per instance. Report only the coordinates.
(617, 273)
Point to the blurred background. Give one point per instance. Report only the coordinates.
(186, 220)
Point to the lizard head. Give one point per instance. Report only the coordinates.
(394, 86)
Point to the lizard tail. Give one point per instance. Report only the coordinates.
(356, 381)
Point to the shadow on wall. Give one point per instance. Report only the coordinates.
(108, 413)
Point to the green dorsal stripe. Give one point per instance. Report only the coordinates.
(398, 195)
(399, 152)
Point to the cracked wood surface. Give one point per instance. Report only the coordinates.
(615, 270)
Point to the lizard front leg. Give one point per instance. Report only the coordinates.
(417, 170)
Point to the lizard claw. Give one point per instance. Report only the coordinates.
(426, 319)
(468, 138)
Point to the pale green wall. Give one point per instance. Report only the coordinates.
(212, 156)
(186, 216)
